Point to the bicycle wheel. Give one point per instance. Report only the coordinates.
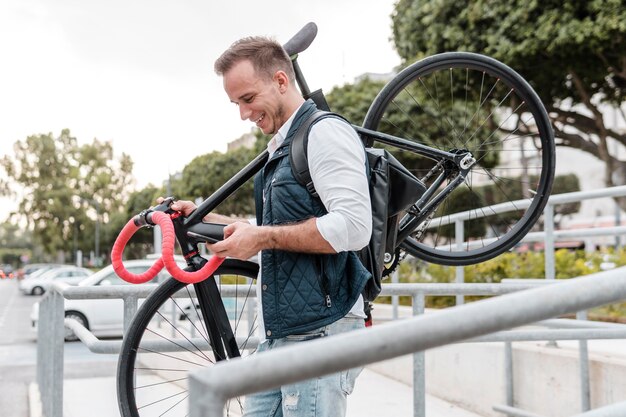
(461, 102)
(169, 338)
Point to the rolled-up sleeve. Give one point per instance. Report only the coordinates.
(337, 164)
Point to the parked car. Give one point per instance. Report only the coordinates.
(37, 285)
(36, 269)
(104, 317)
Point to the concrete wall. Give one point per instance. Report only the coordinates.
(546, 378)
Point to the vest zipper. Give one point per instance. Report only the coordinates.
(323, 281)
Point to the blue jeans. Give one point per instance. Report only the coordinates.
(322, 397)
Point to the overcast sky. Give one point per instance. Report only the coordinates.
(139, 73)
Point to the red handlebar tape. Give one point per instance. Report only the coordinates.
(166, 259)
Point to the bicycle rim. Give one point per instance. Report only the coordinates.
(459, 102)
(168, 339)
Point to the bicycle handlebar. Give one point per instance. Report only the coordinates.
(166, 260)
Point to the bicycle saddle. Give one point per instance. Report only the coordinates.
(301, 40)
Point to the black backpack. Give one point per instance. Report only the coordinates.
(392, 190)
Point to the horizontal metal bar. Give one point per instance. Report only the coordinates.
(613, 410)
(541, 236)
(125, 291)
(460, 289)
(93, 344)
(96, 345)
(556, 199)
(577, 196)
(551, 334)
(514, 412)
(571, 323)
(575, 233)
(140, 291)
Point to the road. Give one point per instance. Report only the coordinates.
(18, 353)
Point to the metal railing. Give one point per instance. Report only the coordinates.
(51, 323)
(51, 334)
(549, 235)
(211, 388)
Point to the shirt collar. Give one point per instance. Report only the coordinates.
(280, 136)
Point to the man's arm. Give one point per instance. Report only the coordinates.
(243, 240)
(337, 165)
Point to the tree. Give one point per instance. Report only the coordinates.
(14, 243)
(142, 241)
(353, 100)
(572, 52)
(206, 173)
(67, 189)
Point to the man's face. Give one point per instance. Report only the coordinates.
(259, 99)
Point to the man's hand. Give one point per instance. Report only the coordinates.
(241, 241)
(184, 206)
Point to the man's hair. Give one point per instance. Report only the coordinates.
(266, 55)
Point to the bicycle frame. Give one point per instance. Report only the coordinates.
(456, 166)
(488, 100)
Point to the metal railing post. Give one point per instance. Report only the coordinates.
(584, 368)
(43, 360)
(508, 373)
(419, 365)
(548, 227)
(130, 309)
(51, 335)
(394, 298)
(459, 235)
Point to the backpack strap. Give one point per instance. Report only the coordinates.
(298, 154)
(258, 196)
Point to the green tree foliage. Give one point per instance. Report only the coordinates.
(531, 264)
(66, 187)
(142, 241)
(14, 243)
(206, 173)
(353, 100)
(573, 52)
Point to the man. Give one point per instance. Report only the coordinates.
(310, 280)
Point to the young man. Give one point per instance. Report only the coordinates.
(310, 280)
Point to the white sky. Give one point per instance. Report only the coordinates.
(140, 73)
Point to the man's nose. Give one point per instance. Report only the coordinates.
(244, 112)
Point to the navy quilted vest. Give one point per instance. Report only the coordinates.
(300, 292)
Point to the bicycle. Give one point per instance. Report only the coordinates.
(491, 146)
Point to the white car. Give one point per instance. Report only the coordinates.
(37, 285)
(104, 317)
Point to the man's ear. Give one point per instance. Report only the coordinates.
(282, 80)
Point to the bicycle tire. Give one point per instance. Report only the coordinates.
(152, 381)
(466, 101)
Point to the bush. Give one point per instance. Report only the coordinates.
(568, 264)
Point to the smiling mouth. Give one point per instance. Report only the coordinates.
(257, 121)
